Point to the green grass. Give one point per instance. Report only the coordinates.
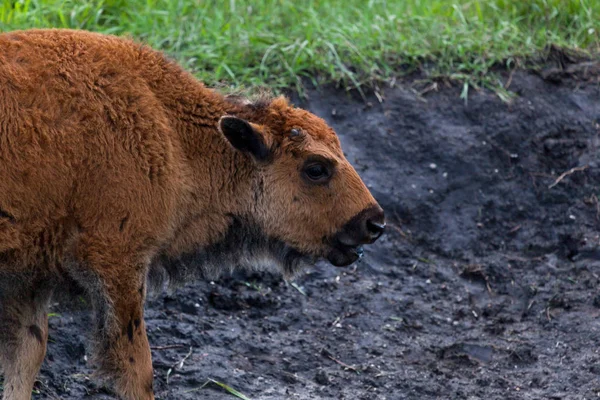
(224, 386)
(281, 43)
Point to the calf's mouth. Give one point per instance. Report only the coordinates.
(341, 256)
(364, 228)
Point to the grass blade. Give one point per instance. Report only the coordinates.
(230, 389)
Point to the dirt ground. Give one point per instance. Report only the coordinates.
(486, 285)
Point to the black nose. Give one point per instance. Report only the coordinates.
(364, 228)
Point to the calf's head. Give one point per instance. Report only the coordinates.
(306, 194)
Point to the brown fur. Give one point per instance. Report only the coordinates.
(113, 169)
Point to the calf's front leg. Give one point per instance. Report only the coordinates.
(115, 281)
(123, 352)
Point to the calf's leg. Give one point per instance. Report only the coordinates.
(117, 290)
(23, 338)
(125, 353)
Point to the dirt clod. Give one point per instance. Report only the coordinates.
(321, 378)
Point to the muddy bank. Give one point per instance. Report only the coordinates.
(486, 285)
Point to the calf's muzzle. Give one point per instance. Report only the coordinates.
(364, 228)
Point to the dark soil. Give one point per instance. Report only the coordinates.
(486, 285)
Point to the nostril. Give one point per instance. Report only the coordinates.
(375, 228)
(364, 228)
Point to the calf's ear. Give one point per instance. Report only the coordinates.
(242, 136)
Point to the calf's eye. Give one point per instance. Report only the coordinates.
(317, 172)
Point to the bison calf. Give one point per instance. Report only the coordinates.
(119, 170)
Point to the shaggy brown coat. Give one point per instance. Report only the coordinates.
(116, 165)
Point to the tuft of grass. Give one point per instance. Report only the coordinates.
(283, 43)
